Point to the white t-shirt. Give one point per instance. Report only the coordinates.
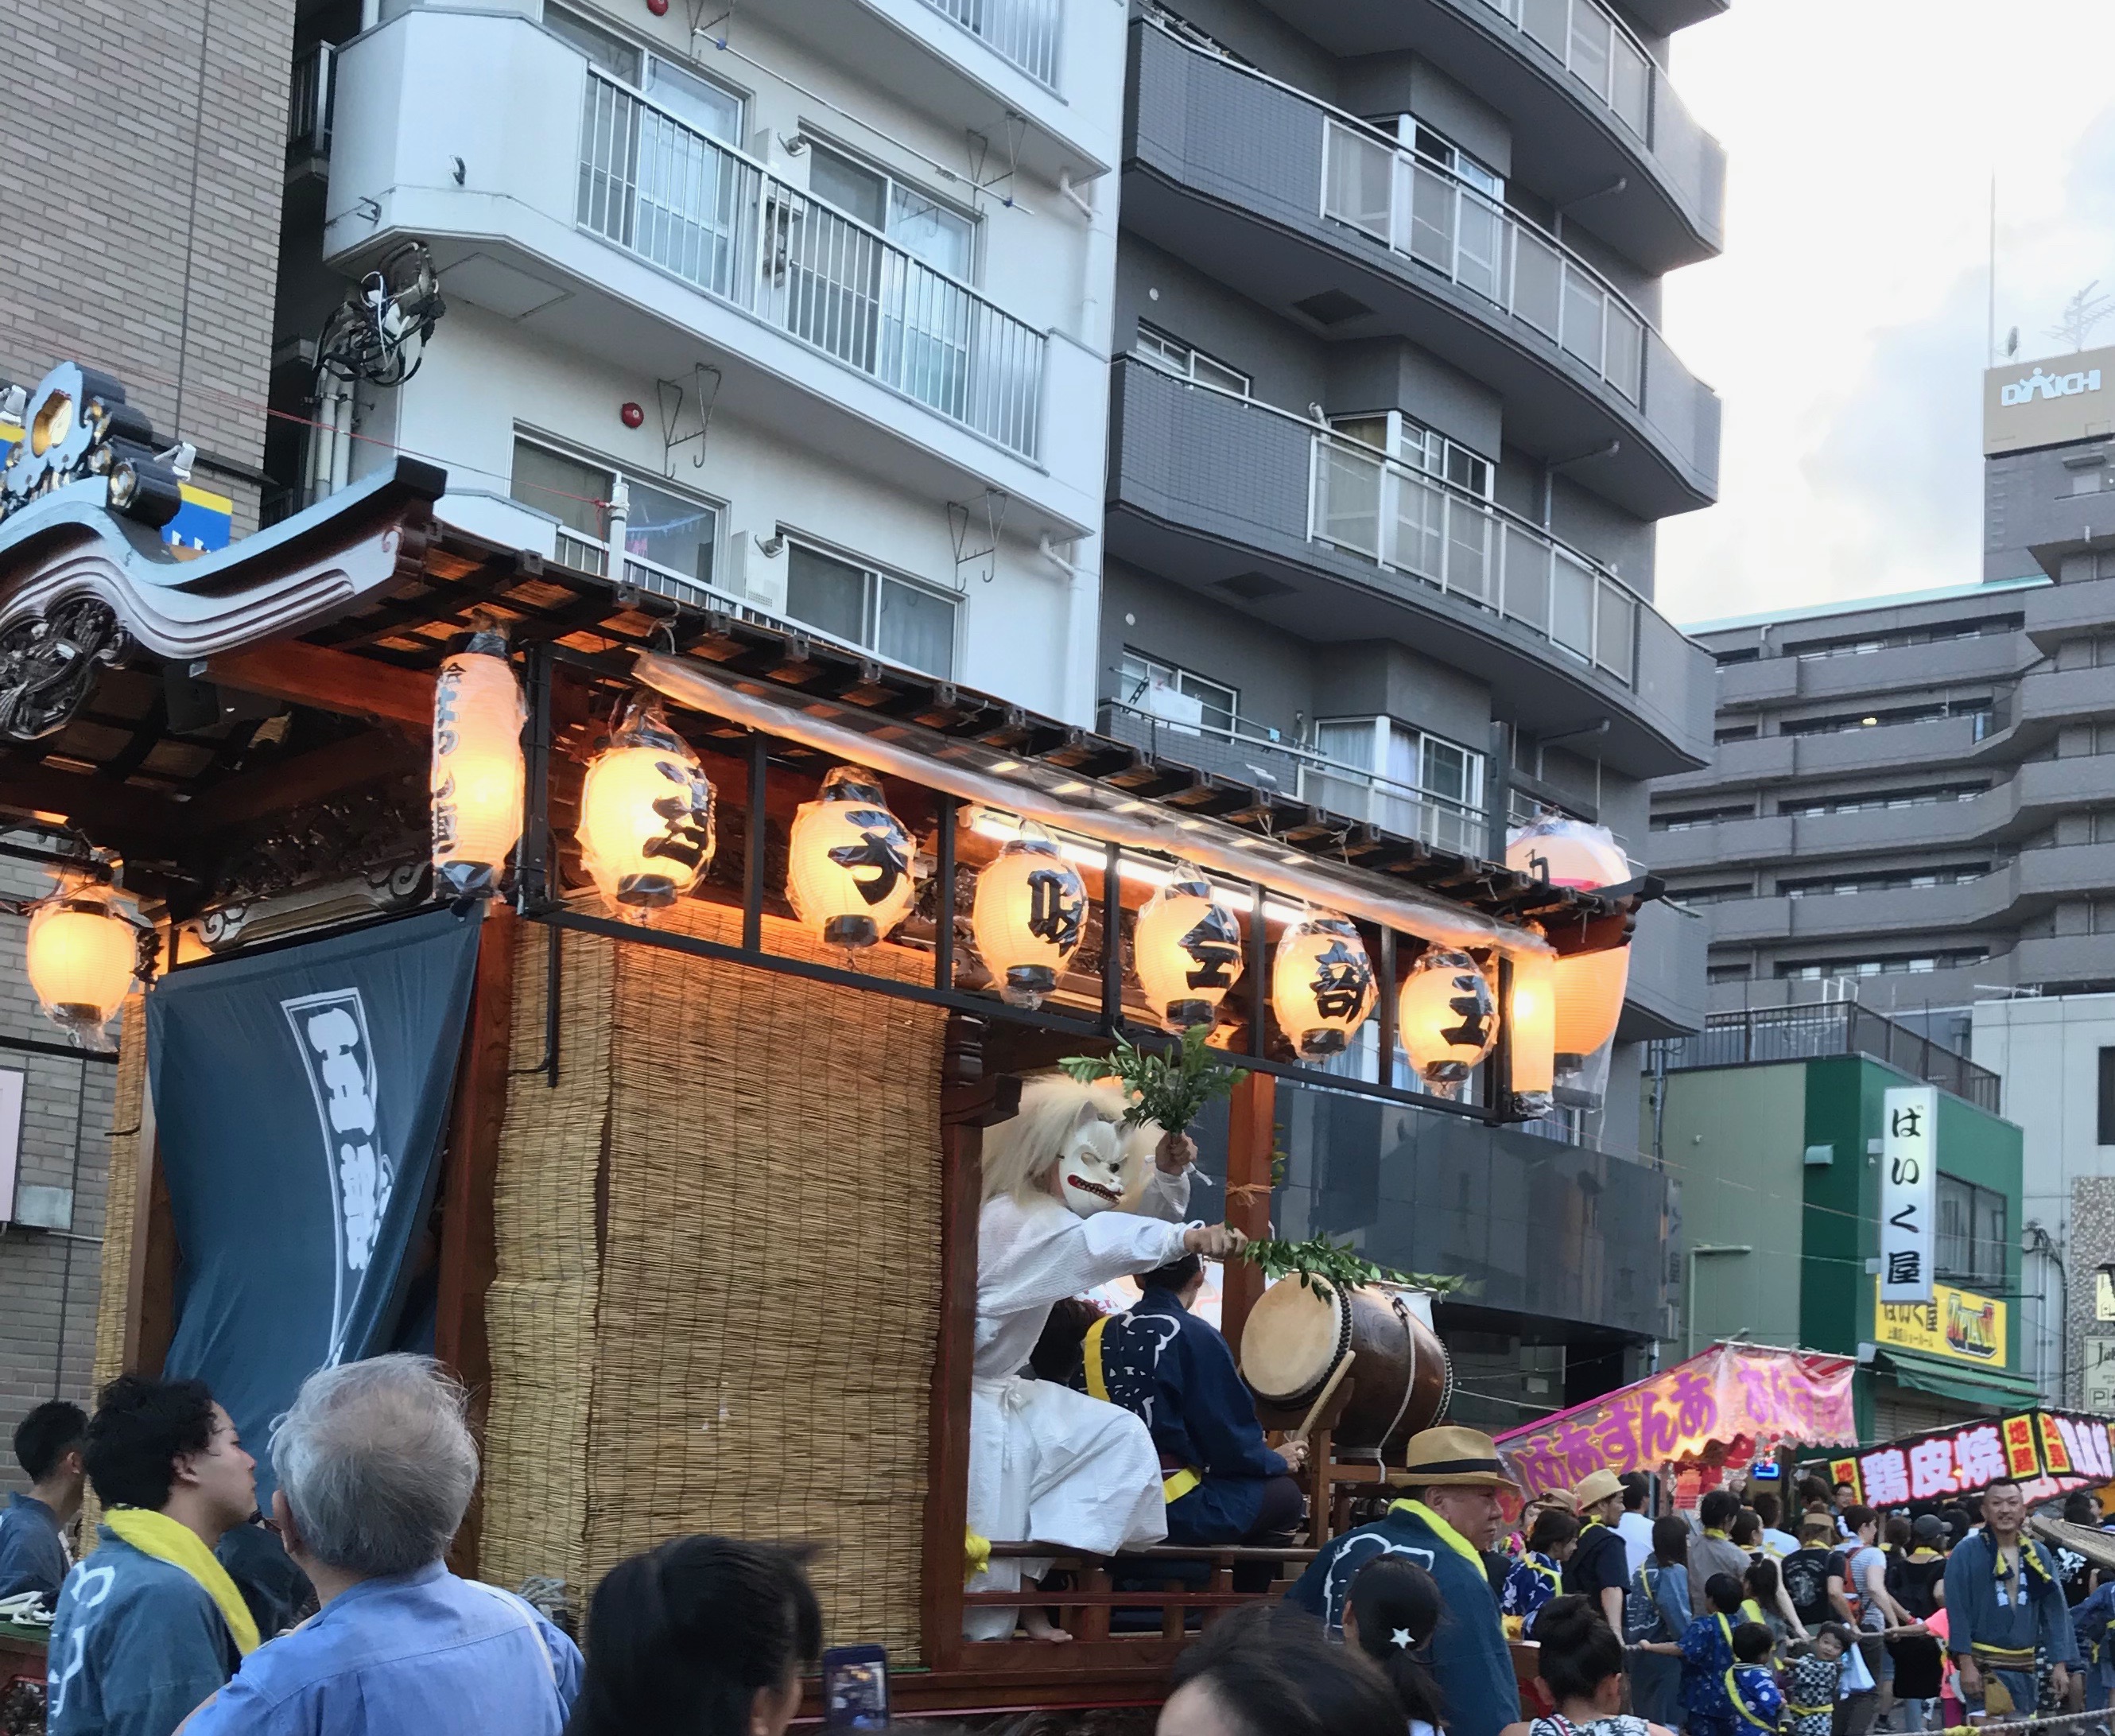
(1635, 1530)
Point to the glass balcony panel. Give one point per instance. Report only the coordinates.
(1538, 282)
(1629, 85)
(1433, 197)
(1549, 23)
(1526, 576)
(1480, 252)
(1348, 511)
(1358, 182)
(1572, 605)
(1593, 36)
(1420, 526)
(1468, 550)
(1585, 306)
(1623, 359)
(1615, 633)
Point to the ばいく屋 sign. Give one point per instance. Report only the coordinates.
(1909, 1181)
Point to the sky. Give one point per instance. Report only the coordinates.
(1844, 328)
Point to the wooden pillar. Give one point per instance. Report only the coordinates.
(969, 1102)
(150, 1290)
(1251, 1136)
(468, 1254)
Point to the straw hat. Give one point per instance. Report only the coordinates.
(1454, 1457)
(1597, 1487)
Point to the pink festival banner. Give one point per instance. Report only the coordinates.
(1726, 1407)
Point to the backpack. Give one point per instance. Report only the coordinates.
(1641, 1617)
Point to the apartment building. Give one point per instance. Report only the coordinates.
(800, 310)
(1391, 425)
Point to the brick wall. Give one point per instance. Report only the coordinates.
(48, 1282)
(141, 209)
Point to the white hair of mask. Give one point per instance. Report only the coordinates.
(377, 1463)
(1019, 1153)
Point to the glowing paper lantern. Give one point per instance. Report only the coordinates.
(1565, 851)
(1446, 1017)
(476, 779)
(1589, 999)
(1532, 1018)
(83, 954)
(1321, 985)
(1031, 906)
(849, 861)
(1187, 949)
(646, 816)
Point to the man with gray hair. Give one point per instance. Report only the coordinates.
(376, 1466)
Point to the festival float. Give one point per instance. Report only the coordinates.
(615, 993)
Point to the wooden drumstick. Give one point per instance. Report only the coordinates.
(1328, 1391)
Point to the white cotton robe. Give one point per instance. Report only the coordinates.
(1047, 1464)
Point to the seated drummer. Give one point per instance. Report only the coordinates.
(1176, 1375)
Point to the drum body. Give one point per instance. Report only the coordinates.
(1401, 1378)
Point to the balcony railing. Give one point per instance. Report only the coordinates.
(1417, 209)
(721, 222)
(1023, 31)
(309, 103)
(1595, 48)
(1765, 1034)
(1413, 523)
(1244, 753)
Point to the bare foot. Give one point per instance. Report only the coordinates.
(1040, 1626)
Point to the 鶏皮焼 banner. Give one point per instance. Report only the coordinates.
(2067, 1450)
(1743, 1402)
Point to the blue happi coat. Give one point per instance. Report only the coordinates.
(1707, 1666)
(1175, 1373)
(136, 1645)
(32, 1558)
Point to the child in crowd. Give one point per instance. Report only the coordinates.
(1539, 1575)
(1708, 1660)
(1814, 1671)
(1751, 1688)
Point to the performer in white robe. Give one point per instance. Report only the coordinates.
(1048, 1464)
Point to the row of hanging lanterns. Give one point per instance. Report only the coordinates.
(647, 833)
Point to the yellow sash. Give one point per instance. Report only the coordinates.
(1442, 1530)
(166, 1539)
(1173, 1488)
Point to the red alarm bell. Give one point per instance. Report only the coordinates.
(659, 8)
(632, 414)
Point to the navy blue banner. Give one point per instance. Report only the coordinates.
(301, 1097)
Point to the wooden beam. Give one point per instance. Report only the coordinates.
(1251, 1136)
(110, 813)
(470, 1255)
(150, 1310)
(331, 681)
(322, 771)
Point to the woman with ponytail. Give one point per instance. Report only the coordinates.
(702, 1637)
(1392, 1609)
(1582, 1664)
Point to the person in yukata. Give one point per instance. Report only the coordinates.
(1656, 1615)
(1448, 1513)
(2004, 1604)
(1813, 1672)
(1048, 1464)
(1751, 1688)
(150, 1623)
(1708, 1660)
(2096, 1655)
(1175, 1373)
(1539, 1575)
(375, 1467)
(33, 1551)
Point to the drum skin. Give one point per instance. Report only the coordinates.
(1401, 1378)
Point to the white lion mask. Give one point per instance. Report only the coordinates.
(1091, 1168)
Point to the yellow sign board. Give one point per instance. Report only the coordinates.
(1956, 1323)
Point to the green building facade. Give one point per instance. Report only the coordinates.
(1779, 1166)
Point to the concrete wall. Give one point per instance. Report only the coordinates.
(141, 209)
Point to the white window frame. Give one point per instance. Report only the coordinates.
(1159, 348)
(617, 472)
(1180, 680)
(1435, 146)
(875, 577)
(891, 183)
(642, 86)
(1424, 448)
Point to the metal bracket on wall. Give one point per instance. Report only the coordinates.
(670, 394)
(701, 26)
(963, 524)
(980, 156)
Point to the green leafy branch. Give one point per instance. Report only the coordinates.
(1319, 1263)
(1169, 1089)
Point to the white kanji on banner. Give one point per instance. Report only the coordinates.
(1931, 1468)
(1979, 1455)
(1886, 1476)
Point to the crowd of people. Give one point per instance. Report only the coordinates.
(333, 1612)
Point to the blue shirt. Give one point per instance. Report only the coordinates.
(136, 1645)
(1756, 1697)
(1532, 1582)
(1471, 1660)
(423, 1652)
(1175, 1373)
(32, 1557)
(1982, 1609)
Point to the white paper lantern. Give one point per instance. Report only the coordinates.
(1446, 1017)
(646, 816)
(1590, 988)
(849, 861)
(1322, 985)
(1031, 909)
(1187, 949)
(1531, 1018)
(82, 957)
(476, 778)
(1565, 851)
